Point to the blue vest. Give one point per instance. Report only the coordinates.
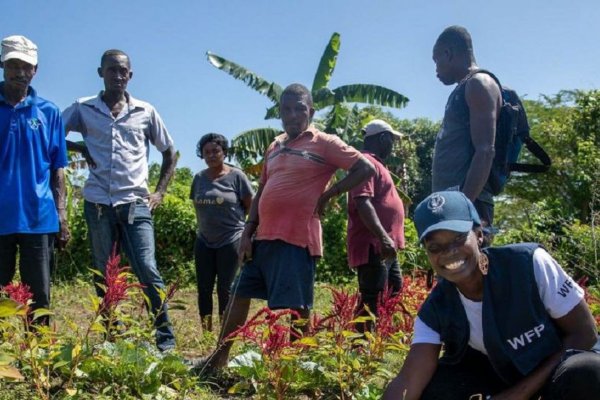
(518, 333)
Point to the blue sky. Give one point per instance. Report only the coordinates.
(536, 47)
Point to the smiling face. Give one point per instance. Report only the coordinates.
(296, 113)
(18, 74)
(454, 256)
(116, 73)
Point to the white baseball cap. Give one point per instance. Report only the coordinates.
(377, 126)
(19, 47)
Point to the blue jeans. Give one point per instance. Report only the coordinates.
(130, 227)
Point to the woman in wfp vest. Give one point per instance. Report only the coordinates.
(512, 323)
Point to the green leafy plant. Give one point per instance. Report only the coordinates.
(274, 371)
(249, 146)
(333, 359)
(110, 354)
(30, 344)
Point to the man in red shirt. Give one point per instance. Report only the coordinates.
(376, 220)
(282, 238)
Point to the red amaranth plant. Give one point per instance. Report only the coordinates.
(265, 330)
(413, 294)
(117, 285)
(19, 292)
(343, 312)
(274, 338)
(388, 305)
(172, 290)
(346, 359)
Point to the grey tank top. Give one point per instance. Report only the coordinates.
(453, 149)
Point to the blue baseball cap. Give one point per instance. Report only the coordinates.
(449, 210)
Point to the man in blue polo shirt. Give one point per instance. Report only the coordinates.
(32, 157)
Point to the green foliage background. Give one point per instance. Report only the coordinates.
(559, 209)
(174, 228)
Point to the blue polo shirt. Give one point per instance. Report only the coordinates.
(32, 145)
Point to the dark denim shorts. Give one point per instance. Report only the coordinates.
(279, 272)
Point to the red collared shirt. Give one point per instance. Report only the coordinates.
(293, 178)
(380, 189)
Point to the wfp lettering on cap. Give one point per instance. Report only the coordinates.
(19, 47)
(448, 210)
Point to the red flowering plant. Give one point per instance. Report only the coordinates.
(29, 341)
(332, 358)
(276, 370)
(117, 285)
(18, 292)
(105, 319)
(59, 364)
(351, 361)
(117, 289)
(15, 300)
(413, 294)
(395, 317)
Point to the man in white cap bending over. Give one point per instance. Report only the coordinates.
(376, 220)
(32, 158)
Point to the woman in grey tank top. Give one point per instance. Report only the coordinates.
(222, 195)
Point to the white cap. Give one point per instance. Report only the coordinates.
(377, 126)
(19, 47)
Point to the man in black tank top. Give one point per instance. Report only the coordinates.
(464, 147)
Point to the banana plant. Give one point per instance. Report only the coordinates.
(249, 146)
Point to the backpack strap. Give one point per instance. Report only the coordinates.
(538, 152)
(529, 142)
(485, 71)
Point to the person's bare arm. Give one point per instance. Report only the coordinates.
(245, 250)
(483, 99)
(418, 369)
(57, 182)
(82, 148)
(579, 332)
(369, 217)
(360, 171)
(167, 169)
(247, 203)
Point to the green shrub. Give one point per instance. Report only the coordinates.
(333, 266)
(412, 259)
(175, 232)
(76, 259)
(574, 245)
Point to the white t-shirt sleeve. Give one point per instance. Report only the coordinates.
(559, 293)
(422, 333)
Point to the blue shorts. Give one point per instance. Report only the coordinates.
(279, 272)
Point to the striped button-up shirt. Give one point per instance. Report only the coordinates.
(118, 146)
